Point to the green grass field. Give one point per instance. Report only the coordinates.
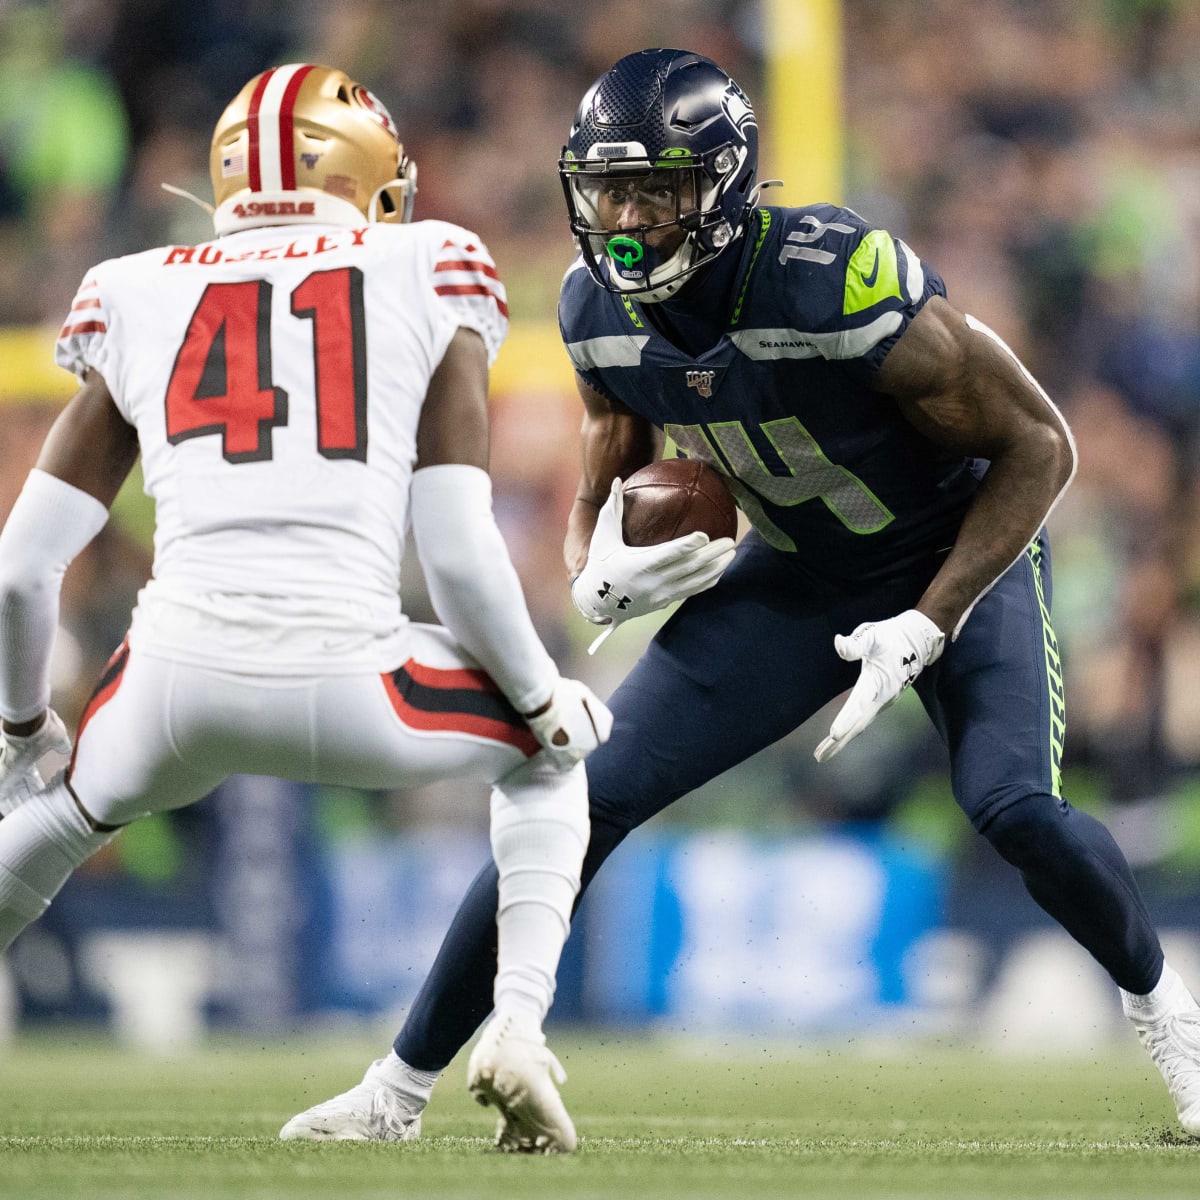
(81, 1118)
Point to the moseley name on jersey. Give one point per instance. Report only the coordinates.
(209, 254)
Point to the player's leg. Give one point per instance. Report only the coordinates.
(539, 831)
(456, 996)
(437, 717)
(124, 765)
(735, 669)
(997, 697)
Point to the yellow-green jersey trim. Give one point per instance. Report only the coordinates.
(872, 274)
(764, 223)
(1057, 698)
(632, 312)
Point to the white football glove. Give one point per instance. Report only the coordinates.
(20, 778)
(571, 724)
(619, 581)
(893, 653)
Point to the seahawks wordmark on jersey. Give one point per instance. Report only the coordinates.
(783, 404)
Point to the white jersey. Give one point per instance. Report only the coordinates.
(275, 378)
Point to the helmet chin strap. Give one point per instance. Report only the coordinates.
(178, 191)
(760, 188)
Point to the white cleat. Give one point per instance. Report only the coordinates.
(512, 1068)
(370, 1111)
(1174, 1045)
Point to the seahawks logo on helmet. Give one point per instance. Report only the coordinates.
(737, 108)
(661, 110)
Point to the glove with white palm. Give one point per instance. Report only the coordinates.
(621, 581)
(893, 653)
(20, 778)
(571, 724)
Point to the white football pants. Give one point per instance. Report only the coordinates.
(159, 734)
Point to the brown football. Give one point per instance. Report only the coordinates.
(674, 497)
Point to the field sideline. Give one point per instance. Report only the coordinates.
(659, 1118)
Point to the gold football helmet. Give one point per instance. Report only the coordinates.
(305, 143)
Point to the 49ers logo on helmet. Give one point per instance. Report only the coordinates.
(376, 107)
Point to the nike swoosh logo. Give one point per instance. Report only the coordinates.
(869, 280)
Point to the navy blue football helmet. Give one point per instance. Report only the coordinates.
(672, 125)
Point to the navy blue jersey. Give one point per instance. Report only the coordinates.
(783, 404)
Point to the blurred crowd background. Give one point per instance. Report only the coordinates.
(1043, 155)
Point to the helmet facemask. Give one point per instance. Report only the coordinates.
(659, 114)
(680, 195)
(392, 202)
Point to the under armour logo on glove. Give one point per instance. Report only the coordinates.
(606, 593)
(619, 582)
(893, 653)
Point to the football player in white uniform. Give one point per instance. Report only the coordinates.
(301, 390)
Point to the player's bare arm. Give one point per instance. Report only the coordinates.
(454, 418)
(962, 389)
(91, 446)
(616, 442)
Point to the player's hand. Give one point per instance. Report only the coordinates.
(20, 778)
(620, 581)
(571, 724)
(893, 653)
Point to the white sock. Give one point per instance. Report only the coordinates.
(412, 1086)
(532, 935)
(41, 844)
(539, 835)
(1169, 997)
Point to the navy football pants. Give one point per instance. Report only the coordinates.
(738, 667)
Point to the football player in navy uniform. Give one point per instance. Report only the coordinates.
(897, 463)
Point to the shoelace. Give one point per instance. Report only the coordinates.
(385, 1110)
(380, 1106)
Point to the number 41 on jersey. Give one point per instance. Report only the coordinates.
(222, 383)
